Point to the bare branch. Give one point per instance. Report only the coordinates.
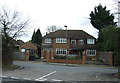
(12, 24)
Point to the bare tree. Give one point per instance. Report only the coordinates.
(117, 11)
(12, 26)
(52, 28)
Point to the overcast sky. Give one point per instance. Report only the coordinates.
(43, 13)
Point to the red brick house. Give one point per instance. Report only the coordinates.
(29, 49)
(62, 42)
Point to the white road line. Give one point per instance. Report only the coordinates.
(14, 77)
(43, 79)
(56, 80)
(3, 76)
(27, 79)
(45, 76)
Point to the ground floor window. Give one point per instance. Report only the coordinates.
(91, 52)
(60, 51)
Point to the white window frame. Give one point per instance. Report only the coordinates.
(91, 52)
(81, 41)
(22, 50)
(47, 49)
(90, 41)
(61, 51)
(61, 40)
(73, 41)
(48, 40)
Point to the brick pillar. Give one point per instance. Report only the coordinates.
(42, 54)
(27, 54)
(52, 57)
(110, 58)
(47, 56)
(83, 57)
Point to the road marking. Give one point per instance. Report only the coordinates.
(3, 76)
(14, 77)
(26, 79)
(43, 79)
(56, 80)
(45, 76)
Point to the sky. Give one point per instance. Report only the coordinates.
(44, 13)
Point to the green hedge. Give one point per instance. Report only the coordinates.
(68, 57)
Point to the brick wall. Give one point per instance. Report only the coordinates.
(49, 59)
(106, 57)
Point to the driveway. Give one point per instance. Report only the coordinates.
(40, 71)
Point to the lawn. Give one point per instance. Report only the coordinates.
(11, 67)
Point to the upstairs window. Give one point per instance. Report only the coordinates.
(48, 40)
(73, 41)
(61, 40)
(90, 41)
(81, 42)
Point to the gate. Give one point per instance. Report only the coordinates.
(19, 56)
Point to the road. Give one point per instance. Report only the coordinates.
(39, 71)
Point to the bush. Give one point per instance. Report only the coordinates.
(68, 57)
(59, 57)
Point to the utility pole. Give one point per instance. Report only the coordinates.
(66, 45)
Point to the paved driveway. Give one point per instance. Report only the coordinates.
(40, 71)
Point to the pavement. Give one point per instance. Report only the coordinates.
(43, 71)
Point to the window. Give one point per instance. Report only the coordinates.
(91, 52)
(47, 49)
(61, 40)
(22, 50)
(73, 41)
(90, 41)
(48, 40)
(61, 51)
(81, 42)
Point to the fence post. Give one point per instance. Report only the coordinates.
(48, 56)
(111, 58)
(83, 57)
(27, 55)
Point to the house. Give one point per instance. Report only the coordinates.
(28, 46)
(29, 49)
(64, 42)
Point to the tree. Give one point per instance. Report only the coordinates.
(38, 37)
(33, 37)
(12, 27)
(110, 41)
(101, 18)
(52, 28)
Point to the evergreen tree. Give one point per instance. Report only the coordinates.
(33, 37)
(38, 37)
(101, 18)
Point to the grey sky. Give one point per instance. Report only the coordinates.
(43, 13)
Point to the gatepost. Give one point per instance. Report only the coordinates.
(83, 57)
(111, 58)
(27, 55)
(48, 55)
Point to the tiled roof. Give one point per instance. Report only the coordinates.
(73, 34)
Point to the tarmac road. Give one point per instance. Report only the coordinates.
(40, 71)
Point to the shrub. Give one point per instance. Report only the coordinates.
(59, 57)
(68, 57)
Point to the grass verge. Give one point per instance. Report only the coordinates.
(11, 67)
